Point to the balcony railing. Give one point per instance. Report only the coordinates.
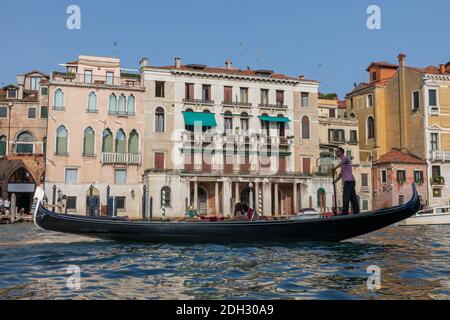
(437, 181)
(121, 158)
(236, 104)
(440, 155)
(198, 101)
(125, 80)
(272, 106)
(122, 113)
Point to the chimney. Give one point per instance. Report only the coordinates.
(178, 63)
(442, 68)
(144, 62)
(401, 60)
(229, 64)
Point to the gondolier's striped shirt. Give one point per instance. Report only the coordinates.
(347, 174)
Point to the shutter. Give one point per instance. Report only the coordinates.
(282, 165)
(307, 165)
(159, 161)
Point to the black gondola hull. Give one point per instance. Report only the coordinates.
(322, 229)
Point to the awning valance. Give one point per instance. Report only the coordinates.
(274, 119)
(199, 118)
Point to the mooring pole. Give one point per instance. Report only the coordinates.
(144, 197)
(163, 208)
(108, 209)
(54, 198)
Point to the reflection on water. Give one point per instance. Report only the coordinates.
(413, 260)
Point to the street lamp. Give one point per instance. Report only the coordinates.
(250, 185)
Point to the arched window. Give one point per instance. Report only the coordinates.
(244, 122)
(89, 142)
(166, 193)
(59, 99)
(321, 199)
(306, 131)
(2, 146)
(281, 127)
(228, 121)
(112, 103)
(92, 102)
(131, 105)
(370, 128)
(159, 119)
(121, 141)
(133, 142)
(25, 143)
(107, 142)
(121, 109)
(61, 141)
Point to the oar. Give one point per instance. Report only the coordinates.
(334, 195)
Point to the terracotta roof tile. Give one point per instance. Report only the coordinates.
(396, 156)
(342, 104)
(382, 64)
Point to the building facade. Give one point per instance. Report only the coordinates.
(334, 132)
(219, 136)
(23, 120)
(95, 130)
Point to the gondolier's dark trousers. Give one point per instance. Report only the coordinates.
(350, 195)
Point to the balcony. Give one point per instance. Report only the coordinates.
(440, 156)
(280, 106)
(434, 110)
(125, 80)
(365, 189)
(198, 101)
(236, 104)
(437, 181)
(122, 113)
(121, 158)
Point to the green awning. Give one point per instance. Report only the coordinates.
(274, 119)
(199, 118)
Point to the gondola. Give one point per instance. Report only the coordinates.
(331, 229)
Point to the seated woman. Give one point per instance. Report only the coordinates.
(240, 213)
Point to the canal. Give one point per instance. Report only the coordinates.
(413, 262)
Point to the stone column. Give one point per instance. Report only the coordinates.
(277, 209)
(256, 208)
(195, 195)
(226, 198)
(267, 199)
(237, 193)
(216, 198)
(294, 197)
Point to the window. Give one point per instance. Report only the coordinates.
(401, 176)
(401, 199)
(107, 143)
(434, 141)
(131, 106)
(244, 122)
(432, 98)
(121, 106)
(305, 128)
(44, 91)
(364, 180)
(61, 141)
(92, 102)
(280, 97)
(159, 120)
(415, 101)
(383, 176)
(25, 143)
(435, 171)
(120, 141)
(437, 193)
(159, 161)
(120, 203)
(166, 197)
(71, 203)
(133, 142)
(159, 89)
(110, 78)
(189, 91)
(228, 94)
(304, 99)
(2, 146)
(12, 93)
(3, 112)
(306, 164)
(370, 128)
(264, 97)
(121, 176)
(59, 100)
(370, 100)
(88, 76)
(281, 127)
(206, 92)
(365, 205)
(34, 83)
(332, 113)
(374, 76)
(418, 176)
(112, 103)
(244, 95)
(228, 121)
(71, 176)
(353, 137)
(89, 142)
(44, 112)
(31, 113)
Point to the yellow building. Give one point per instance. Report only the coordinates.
(408, 109)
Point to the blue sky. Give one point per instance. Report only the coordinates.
(323, 40)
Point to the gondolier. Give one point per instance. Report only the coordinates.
(346, 174)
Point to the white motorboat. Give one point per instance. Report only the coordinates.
(430, 216)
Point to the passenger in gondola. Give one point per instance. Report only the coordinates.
(238, 210)
(346, 174)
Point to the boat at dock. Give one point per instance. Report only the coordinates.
(430, 216)
(330, 229)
